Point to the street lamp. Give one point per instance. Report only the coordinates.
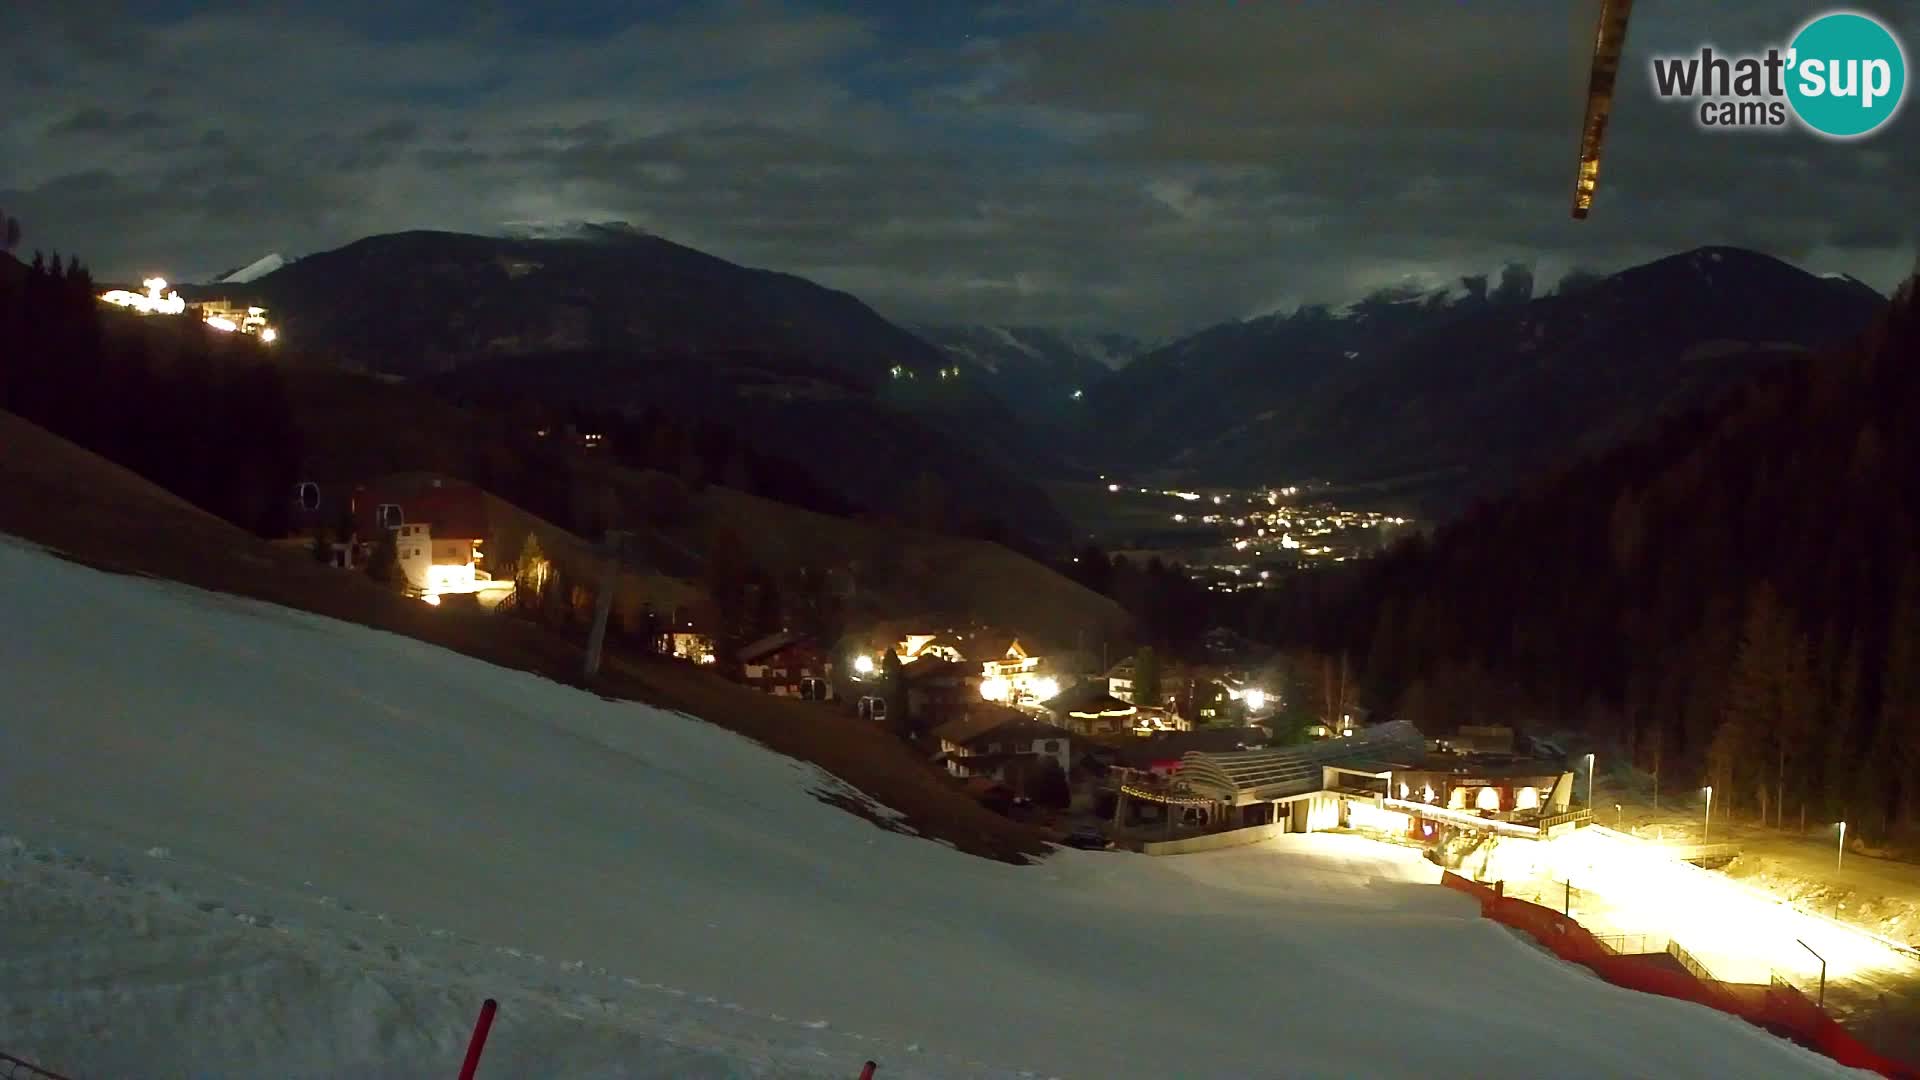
(1589, 781)
(1619, 817)
(1841, 857)
(1708, 826)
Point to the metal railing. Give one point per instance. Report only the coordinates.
(1692, 963)
(1545, 823)
(1634, 944)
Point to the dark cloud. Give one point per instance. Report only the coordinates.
(1143, 166)
(97, 121)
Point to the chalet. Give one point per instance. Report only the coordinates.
(1120, 680)
(914, 647)
(1020, 677)
(940, 691)
(1088, 709)
(1002, 744)
(439, 526)
(788, 665)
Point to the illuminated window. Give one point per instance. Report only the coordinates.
(1488, 799)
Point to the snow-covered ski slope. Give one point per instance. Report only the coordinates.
(243, 841)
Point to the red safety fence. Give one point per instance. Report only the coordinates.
(1779, 1008)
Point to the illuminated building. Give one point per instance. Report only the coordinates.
(1019, 678)
(150, 302)
(439, 529)
(221, 315)
(226, 316)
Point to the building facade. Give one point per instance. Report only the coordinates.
(788, 665)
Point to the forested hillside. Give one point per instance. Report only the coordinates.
(1735, 598)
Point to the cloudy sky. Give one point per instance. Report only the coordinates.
(1149, 167)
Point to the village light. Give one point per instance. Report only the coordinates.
(269, 335)
(994, 689)
(1256, 700)
(863, 665)
(1046, 688)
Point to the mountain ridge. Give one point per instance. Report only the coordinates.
(1401, 383)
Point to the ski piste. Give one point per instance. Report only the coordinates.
(478, 1043)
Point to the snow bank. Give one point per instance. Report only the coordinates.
(291, 847)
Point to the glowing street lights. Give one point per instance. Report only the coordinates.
(1708, 825)
(1619, 817)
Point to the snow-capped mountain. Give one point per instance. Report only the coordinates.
(570, 230)
(254, 270)
(1041, 374)
(1454, 382)
(993, 347)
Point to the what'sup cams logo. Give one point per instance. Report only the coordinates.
(1843, 75)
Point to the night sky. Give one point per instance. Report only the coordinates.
(1147, 167)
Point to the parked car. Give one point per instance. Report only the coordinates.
(1088, 838)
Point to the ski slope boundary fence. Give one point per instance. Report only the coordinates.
(1779, 1007)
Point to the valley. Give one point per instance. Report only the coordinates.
(1232, 539)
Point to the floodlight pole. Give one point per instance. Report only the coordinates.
(1840, 857)
(1707, 827)
(1590, 763)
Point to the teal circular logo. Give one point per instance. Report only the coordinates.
(1847, 75)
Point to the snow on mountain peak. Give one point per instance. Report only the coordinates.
(256, 269)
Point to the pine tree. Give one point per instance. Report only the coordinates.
(384, 564)
(530, 573)
(557, 598)
(894, 679)
(1146, 678)
(1769, 702)
(1899, 720)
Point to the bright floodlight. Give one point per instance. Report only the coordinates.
(863, 665)
(1256, 700)
(1046, 689)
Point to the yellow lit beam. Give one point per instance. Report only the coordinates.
(1609, 39)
